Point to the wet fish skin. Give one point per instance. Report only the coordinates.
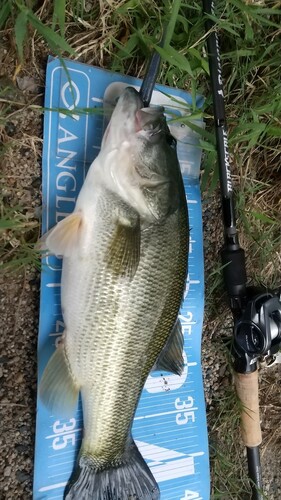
(125, 262)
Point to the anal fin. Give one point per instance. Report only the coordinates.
(57, 388)
(171, 358)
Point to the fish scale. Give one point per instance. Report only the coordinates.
(105, 337)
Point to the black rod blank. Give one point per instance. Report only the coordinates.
(233, 256)
(149, 80)
(221, 130)
(254, 467)
(151, 74)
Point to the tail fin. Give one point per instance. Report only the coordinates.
(131, 480)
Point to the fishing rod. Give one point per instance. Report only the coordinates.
(256, 312)
(151, 73)
(149, 80)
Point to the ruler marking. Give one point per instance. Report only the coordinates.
(53, 486)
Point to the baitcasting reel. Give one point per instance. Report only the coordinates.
(258, 331)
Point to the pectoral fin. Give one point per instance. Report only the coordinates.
(124, 252)
(57, 388)
(62, 239)
(171, 358)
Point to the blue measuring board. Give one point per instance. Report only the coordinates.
(170, 423)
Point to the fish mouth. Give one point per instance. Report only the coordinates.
(130, 103)
(131, 118)
(149, 118)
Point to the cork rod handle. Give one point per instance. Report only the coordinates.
(247, 388)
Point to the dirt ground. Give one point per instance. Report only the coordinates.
(19, 311)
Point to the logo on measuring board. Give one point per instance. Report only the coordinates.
(66, 153)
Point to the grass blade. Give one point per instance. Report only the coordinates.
(53, 39)
(20, 32)
(175, 58)
(59, 15)
(4, 14)
(172, 23)
(262, 217)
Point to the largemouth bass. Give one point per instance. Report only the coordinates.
(124, 251)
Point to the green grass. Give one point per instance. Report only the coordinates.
(18, 234)
(120, 36)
